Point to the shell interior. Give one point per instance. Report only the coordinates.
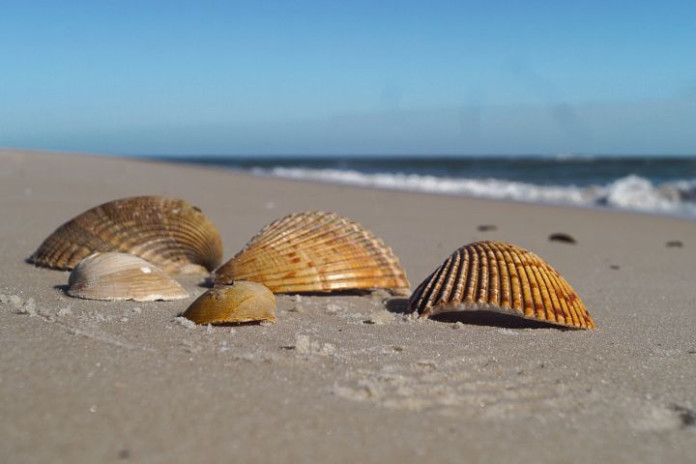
(119, 276)
(237, 303)
(168, 232)
(316, 252)
(501, 277)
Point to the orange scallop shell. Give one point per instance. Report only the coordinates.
(500, 277)
(316, 252)
(168, 232)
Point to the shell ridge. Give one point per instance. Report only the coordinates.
(483, 280)
(531, 267)
(549, 291)
(472, 280)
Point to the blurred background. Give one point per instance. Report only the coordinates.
(303, 88)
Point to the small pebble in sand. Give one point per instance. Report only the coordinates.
(66, 311)
(304, 345)
(487, 227)
(28, 307)
(123, 319)
(674, 244)
(15, 300)
(137, 310)
(187, 323)
(458, 325)
(299, 306)
(380, 295)
(562, 238)
(332, 309)
(380, 318)
(615, 267)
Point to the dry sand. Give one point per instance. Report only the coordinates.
(342, 378)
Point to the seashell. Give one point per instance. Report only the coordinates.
(316, 252)
(500, 277)
(168, 232)
(119, 276)
(240, 302)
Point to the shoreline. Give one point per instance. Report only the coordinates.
(343, 378)
(376, 180)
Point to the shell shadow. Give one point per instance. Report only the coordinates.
(397, 305)
(480, 318)
(61, 288)
(494, 319)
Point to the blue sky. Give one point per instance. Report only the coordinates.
(349, 77)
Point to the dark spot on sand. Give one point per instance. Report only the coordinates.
(562, 237)
(686, 415)
(674, 244)
(615, 267)
(124, 454)
(487, 227)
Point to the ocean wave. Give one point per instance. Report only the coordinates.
(628, 193)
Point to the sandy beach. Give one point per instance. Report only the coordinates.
(343, 378)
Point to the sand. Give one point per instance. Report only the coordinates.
(343, 378)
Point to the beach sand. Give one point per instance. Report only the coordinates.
(343, 378)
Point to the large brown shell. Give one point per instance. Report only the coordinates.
(168, 232)
(316, 252)
(237, 303)
(119, 276)
(500, 277)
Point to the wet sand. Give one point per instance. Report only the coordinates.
(344, 378)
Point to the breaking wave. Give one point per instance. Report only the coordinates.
(628, 193)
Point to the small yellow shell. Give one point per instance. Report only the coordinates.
(316, 251)
(240, 302)
(498, 276)
(119, 276)
(170, 233)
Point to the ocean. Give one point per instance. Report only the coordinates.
(659, 185)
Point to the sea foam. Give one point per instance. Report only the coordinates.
(627, 193)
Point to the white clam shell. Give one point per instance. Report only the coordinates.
(120, 276)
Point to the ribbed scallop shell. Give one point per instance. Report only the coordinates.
(119, 276)
(168, 232)
(316, 252)
(236, 303)
(500, 277)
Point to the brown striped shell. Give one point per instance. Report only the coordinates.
(236, 303)
(170, 233)
(316, 252)
(500, 277)
(119, 276)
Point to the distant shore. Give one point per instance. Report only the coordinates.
(655, 185)
(343, 378)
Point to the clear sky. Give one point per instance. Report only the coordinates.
(349, 77)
